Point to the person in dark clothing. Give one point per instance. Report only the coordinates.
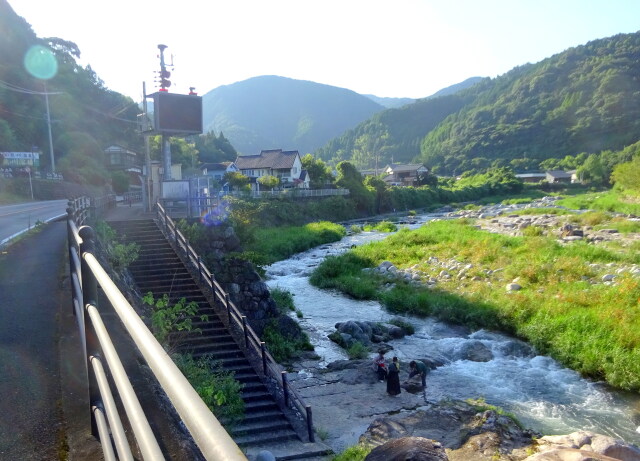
(418, 368)
(380, 367)
(393, 377)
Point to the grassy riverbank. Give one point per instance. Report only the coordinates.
(278, 243)
(591, 327)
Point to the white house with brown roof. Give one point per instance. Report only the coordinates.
(404, 174)
(285, 165)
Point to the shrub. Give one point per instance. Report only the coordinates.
(167, 319)
(357, 351)
(283, 299)
(284, 348)
(218, 388)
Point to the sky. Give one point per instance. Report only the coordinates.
(392, 48)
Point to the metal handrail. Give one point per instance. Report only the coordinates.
(209, 435)
(235, 318)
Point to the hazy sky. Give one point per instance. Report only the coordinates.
(393, 48)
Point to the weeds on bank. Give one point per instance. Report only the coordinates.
(354, 453)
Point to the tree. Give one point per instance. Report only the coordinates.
(236, 180)
(350, 178)
(627, 175)
(268, 181)
(319, 172)
(120, 182)
(593, 170)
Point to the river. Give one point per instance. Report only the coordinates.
(543, 395)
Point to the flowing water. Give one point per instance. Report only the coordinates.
(543, 395)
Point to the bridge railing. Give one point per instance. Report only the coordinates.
(236, 320)
(86, 276)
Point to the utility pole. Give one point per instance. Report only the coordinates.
(46, 99)
(166, 146)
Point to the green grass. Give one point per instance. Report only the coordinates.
(278, 243)
(594, 329)
(354, 453)
(611, 200)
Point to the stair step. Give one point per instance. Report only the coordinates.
(265, 437)
(257, 427)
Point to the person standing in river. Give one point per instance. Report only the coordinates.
(393, 377)
(419, 368)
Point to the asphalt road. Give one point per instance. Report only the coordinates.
(18, 218)
(31, 299)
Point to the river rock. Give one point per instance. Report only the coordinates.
(582, 444)
(475, 351)
(513, 286)
(408, 449)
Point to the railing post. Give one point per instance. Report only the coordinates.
(228, 306)
(89, 297)
(312, 437)
(213, 287)
(246, 333)
(263, 349)
(285, 388)
(199, 268)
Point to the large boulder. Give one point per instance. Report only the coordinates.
(408, 449)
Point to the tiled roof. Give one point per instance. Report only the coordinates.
(406, 167)
(558, 174)
(275, 159)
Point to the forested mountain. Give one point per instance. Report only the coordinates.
(394, 135)
(276, 112)
(583, 100)
(85, 116)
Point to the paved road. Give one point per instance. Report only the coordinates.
(31, 299)
(18, 218)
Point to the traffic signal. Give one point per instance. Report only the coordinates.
(164, 80)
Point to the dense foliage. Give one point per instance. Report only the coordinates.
(86, 116)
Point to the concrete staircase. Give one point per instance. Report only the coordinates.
(160, 271)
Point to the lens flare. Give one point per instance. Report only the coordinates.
(217, 215)
(41, 62)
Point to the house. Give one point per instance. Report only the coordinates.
(558, 176)
(531, 177)
(285, 165)
(404, 174)
(218, 170)
(118, 158)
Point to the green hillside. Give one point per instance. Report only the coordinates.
(86, 116)
(585, 99)
(270, 112)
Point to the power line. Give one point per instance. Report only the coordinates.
(17, 89)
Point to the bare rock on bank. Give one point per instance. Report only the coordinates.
(408, 449)
(464, 432)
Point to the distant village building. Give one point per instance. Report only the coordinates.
(285, 165)
(531, 177)
(558, 176)
(218, 170)
(404, 174)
